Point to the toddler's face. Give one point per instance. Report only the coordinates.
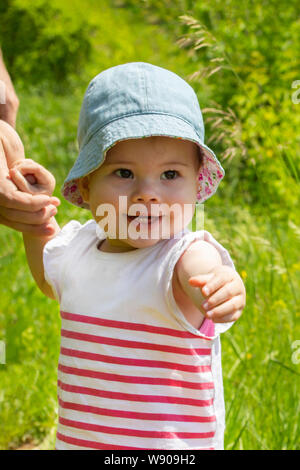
(150, 171)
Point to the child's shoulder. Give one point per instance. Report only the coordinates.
(73, 227)
(188, 238)
(71, 232)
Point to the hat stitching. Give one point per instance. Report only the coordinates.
(141, 114)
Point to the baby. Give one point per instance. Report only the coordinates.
(140, 363)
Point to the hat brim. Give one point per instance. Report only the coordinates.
(138, 126)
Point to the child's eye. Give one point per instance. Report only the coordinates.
(170, 174)
(124, 172)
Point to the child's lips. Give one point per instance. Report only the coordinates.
(144, 219)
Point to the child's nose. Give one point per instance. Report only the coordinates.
(146, 192)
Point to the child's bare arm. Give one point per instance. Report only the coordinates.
(200, 258)
(34, 247)
(201, 266)
(32, 178)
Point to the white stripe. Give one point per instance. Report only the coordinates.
(143, 336)
(141, 389)
(135, 353)
(134, 371)
(137, 424)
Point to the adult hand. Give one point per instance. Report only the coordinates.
(31, 177)
(9, 102)
(19, 210)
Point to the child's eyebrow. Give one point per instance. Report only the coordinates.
(118, 163)
(174, 163)
(132, 163)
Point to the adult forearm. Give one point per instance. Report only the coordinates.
(10, 104)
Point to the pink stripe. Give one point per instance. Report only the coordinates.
(135, 414)
(135, 432)
(92, 444)
(133, 379)
(133, 344)
(129, 326)
(99, 445)
(133, 397)
(133, 362)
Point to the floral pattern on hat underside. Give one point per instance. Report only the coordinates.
(208, 180)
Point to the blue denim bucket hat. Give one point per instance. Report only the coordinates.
(137, 100)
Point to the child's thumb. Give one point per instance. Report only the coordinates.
(200, 279)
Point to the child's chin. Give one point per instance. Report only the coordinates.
(152, 239)
(142, 242)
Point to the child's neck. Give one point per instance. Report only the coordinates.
(109, 247)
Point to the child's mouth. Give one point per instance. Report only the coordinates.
(146, 220)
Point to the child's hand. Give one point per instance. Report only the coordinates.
(30, 177)
(226, 295)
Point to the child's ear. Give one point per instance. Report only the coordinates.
(83, 185)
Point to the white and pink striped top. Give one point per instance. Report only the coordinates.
(132, 372)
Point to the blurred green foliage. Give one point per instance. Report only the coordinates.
(41, 44)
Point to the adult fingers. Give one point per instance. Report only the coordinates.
(8, 114)
(11, 198)
(44, 180)
(30, 166)
(3, 162)
(33, 218)
(11, 146)
(35, 230)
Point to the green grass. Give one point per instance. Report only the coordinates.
(260, 380)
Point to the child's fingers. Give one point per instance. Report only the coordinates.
(223, 294)
(200, 279)
(219, 276)
(31, 179)
(226, 312)
(228, 318)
